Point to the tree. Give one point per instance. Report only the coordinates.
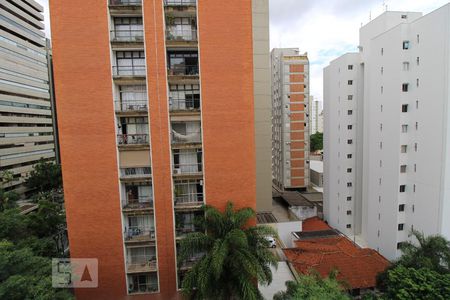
(313, 287)
(236, 256)
(405, 283)
(45, 177)
(7, 198)
(316, 141)
(23, 275)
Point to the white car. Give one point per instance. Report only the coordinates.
(272, 242)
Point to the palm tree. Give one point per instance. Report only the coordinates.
(431, 252)
(236, 256)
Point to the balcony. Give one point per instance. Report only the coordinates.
(129, 71)
(186, 133)
(188, 194)
(133, 204)
(135, 173)
(184, 105)
(194, 169)
(183, 70)
(131, 106)
(139, 234)
(132, 139)
(125, 2)
(127, 36)
(180, 2)
(125, 7)
(141, 264)
(142, 283)
(174, 34)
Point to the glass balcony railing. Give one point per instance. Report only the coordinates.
(125, 2)
(186, 70)
(180, 2)
(184, 104)
(187, 169)
(141, 263)
(139, 233)
(127, 35)
(129, 70)
(186, 35)
(131, 105)
(132, 139)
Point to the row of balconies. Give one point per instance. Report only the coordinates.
(143, 139)
(139, 2)
(137, 35)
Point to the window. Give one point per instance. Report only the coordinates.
(381, 126)
(382, 89)
(349, 212)
(403, 148)
(405, 87)
(381, 163)
(413, 208)
(401, 207)
(349, 142)
(349, 198)
(417, 104)
(399, 245)
(417, 82)
(418, 39)
(415, 147)
(404, 128)
(418, 60)
(379, 217)
(349, 112)
(381, 145)
(403, 169)
(379, 199)
(379, 181)
(350, 82)
(382, 70)
(405, 66)
(349, 127)
(349, 184)
(382, 51)
(402, 188)
(381, 108)
(415, 168)
(349, 156)
(417, 125)
(405, 108)
(350, 97)
(378, 233)
(349, 226)
(414, 188)
(400, 227)
(349, 170)
(405, 45)
(404, 16)
(350, 67)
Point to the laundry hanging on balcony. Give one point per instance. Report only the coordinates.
(188, 137)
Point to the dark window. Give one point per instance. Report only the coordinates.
(349, 127)
(349, 112)
(349, 156)
(405, 87)
(405, 108)
(405, 45)
(350, 82)
(349, 212)
(350, 67)
(349, 198)
(402, 188)
(349, 142)
(401, 207)
(349, 170)
(400, 227)
(349, 226)
(349, 184)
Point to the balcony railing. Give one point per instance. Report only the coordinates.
(124, 35)
(180, 2)
(188, 138)
(131, 105)
(188, 70)
(189, 199)
(132, 139)
(137, 172)
(148, 287)
(184, 104)
(185, 229)
(138, 233)
(187, 169)
(138, 203)
(185, 35)
(129, 70)
(141, 263)
(125, 2)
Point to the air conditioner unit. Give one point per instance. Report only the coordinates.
(176, 171)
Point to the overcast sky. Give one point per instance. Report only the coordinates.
(325, 29)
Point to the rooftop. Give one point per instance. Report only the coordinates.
(323, 249)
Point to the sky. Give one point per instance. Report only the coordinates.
(325, 29)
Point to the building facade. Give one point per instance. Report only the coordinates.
(290, 125)
(315, 115)
(394, 175)
(156, 118)
(26, 126)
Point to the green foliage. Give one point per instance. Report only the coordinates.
(45, 177)
(23, 275)
(236, 256)
(7, 198)
(316, 141)
(408, 283)
(313, 287)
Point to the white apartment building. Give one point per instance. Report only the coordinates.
(315, 117)
(387, 134)
(290, 125)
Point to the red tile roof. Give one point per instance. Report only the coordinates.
(314, 224)
(357, 267)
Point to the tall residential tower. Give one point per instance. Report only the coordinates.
(387, 133)
(156, 117)
(26, 125)
(290, 125)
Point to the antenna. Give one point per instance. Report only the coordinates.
(370, 16)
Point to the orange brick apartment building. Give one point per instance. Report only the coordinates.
(156, 115)
(290, 129)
